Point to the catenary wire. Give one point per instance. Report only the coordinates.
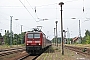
(27, 10)
(32, 8)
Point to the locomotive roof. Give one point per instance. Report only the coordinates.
(35, 32)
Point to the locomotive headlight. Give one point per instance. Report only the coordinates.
(39, 43)
(27, 44)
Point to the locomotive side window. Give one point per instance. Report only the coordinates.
(36, 35)
(30, 35)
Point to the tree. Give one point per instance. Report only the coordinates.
(87, 39)
(83, 40)
(15, 39)
(0, 35)
(87, 33)
(7, 37)
(23, 37)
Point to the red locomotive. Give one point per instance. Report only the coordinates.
(36, 41)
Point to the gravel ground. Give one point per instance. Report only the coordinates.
(56, 55)
(12, 56)
(53, 53)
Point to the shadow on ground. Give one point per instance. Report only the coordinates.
(50, 50)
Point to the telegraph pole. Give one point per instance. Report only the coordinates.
(11, 30)
(56, 33)
(62, 49)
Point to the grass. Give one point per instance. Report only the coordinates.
(79, 45)
(50, 50)
(4, 47)
(8, 46)
(45, 56)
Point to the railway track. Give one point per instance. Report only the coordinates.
(25, 56)
(10, 51)
(19, 54)
(29, 57)
(80, 50)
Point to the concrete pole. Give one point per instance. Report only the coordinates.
(56, 33)
(79, 32)
(21, 35)
(62, 49)
(21, 28)
(54, 36)
(11, 30)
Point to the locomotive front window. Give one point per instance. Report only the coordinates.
(36, 35)
(30, 35)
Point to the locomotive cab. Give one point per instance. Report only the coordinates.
(33, 42)
(36, 42)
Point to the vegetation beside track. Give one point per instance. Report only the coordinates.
(8, 46)
(54, 53)
(79, 45)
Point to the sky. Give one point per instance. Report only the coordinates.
(24, 11)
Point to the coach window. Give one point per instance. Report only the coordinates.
(36, 35)
(30, 35)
